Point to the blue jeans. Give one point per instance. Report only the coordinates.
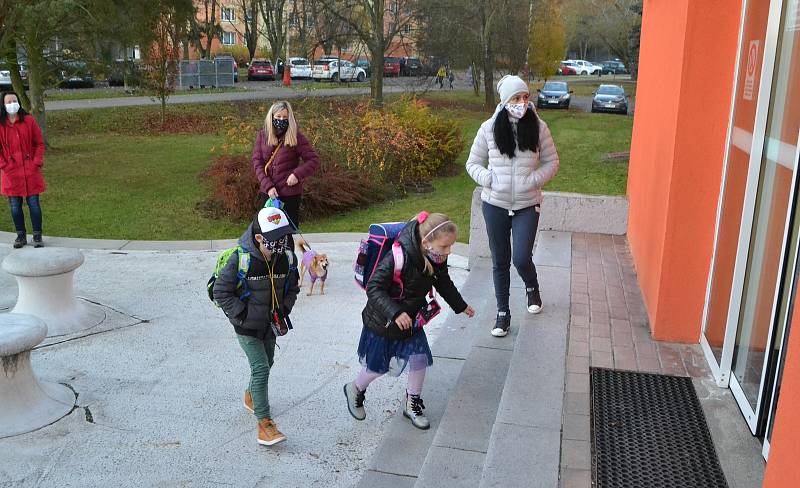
(507, 231)
(19, 217)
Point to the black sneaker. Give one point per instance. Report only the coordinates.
(534, 300)
(37, 240)
(501, 324)
(20, 241)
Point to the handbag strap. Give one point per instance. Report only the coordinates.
(272, 158)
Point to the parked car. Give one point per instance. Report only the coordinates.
(554, 94)
(75, 74)
(585, 67)
(567, 68)
(334, 70)
(391, 66)
(610, 98)
(300, 68)
(613, 68)
(5, 78)
(260, 69)
(122, 68)
(411, 67)
(235, 66)
(364, 64)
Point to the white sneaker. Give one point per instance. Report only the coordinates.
(534, 300)
(501, 324)
(355, 401)
(413, 412)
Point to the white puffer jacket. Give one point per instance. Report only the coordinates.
(511, 183)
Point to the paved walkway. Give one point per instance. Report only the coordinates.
(274, 94)
(158, 383)
(609, 329)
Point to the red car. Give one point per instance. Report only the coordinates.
(391, 66)
(261, 69)
(567, 69)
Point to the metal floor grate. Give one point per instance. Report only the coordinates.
(648, 430)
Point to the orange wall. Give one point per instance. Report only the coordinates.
(783, 468)
(682, 109)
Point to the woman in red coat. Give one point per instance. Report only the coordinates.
(21, 160)
(277, 153)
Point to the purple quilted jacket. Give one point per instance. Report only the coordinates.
(286, 162)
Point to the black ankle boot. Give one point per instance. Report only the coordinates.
(20, 241)
(37, 239)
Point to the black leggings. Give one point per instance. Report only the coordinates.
(503, 231)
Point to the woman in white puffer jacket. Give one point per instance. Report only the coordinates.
(512, 158)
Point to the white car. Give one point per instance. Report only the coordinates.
(5, 79)
(334, 70)
(585, 67)
(299, 68)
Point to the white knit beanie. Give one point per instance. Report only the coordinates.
(510, 85)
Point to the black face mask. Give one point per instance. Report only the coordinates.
(277, 247)
(281, 125)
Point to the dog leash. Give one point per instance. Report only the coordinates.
(277, 203)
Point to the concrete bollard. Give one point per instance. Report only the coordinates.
(45, 281)
(25, 403)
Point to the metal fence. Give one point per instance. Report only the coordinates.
(206, 73)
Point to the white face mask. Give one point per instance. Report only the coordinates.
(12, 108)
(517, 110)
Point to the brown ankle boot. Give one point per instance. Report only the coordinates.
(248, 401)
(268, 433)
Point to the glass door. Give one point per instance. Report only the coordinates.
(717, 332)
(764, 297)
(789, 290)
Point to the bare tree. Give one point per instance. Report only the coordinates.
(466, 31)
(249, 11)
(272, 14)
(618, 23)
(161, 60)
(206, 28)
(374, 23)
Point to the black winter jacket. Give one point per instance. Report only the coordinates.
(258, 305)
(382, 309)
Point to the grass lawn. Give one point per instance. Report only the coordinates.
(125, 187)
(108, 179)
(581, 139)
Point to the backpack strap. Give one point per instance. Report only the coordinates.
(399, 260)
(241, 273)
(292, 268)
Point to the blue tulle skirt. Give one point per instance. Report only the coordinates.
(390, 356)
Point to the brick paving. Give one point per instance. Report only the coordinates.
(609, 328)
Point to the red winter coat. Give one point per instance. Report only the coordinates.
(21, 158)
(286, 162)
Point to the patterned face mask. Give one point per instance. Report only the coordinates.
(517, 110)
(277, 247)
(281, 125)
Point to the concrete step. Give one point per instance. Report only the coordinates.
(503, 420)
(488, 396)
(404, 448)
(524, 444)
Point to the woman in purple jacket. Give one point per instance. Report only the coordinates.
(277, 153)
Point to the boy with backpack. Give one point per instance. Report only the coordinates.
(256, 286)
